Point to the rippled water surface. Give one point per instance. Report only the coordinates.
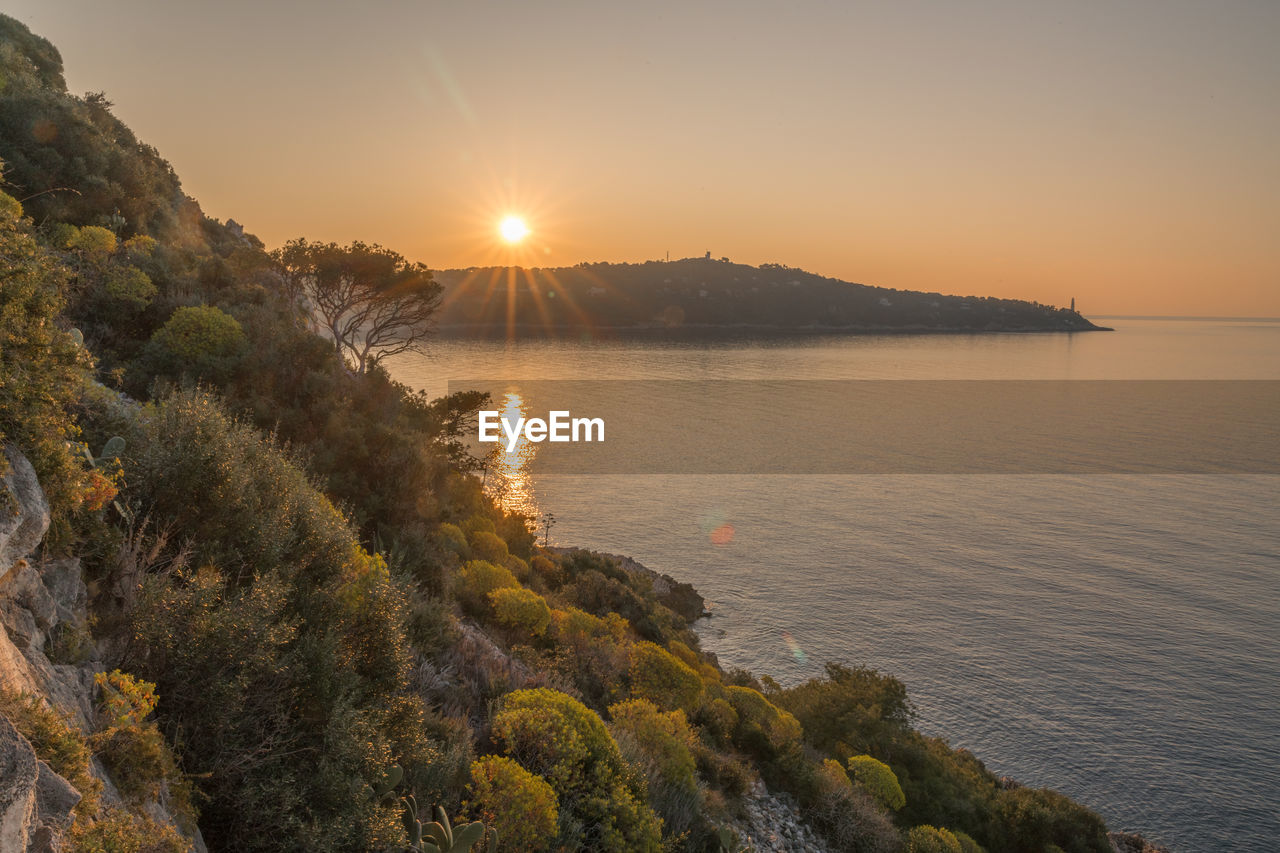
(1113, 636)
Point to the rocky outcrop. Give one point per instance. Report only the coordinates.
(24, 512)
(676, 595)
(35, 802)
(39, 599)
(772, 824)
(1130, 842)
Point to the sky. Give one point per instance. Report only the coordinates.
(1123, 154)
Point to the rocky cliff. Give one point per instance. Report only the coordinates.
(39, 600)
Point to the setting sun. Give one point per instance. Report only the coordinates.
(513, 229)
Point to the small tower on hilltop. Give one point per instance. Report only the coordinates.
(1073, 303)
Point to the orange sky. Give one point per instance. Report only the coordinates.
(1124, 154)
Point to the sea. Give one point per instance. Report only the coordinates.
(1111, 635)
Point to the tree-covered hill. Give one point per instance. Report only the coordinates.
(701, 295)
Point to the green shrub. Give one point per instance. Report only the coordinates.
(129, 285)
(878, 780)
(930, 839)
(833, 777)
(662, 678)
(1034, 818)
(521, 806)
(244, 505)
(519, 568)
(548, 570)
(93, 242)
(453, 539)
(557, 737)
(521, 610)
(660, 745)
(246, 669)
(476, 580)
(478, 523)
(968, 845)
(718, 719)
(848, 818)
(762, 728)
(594, 652)
(131, 746)
(850, 712)
(42, 369)
(200, 341)
(686, 655)
(487, 546)
(431, 627)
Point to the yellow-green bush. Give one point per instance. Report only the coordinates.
(519, 568)
(477, 523)
(968, 845)
(451, 537)
(664, 736)
(200, 332)
(521, 609)
(118, 831)
(93, 242)
(848, 818)
(476, 580)
(520, 805)
(719, 720)
(557, 737)
(575, 628)
(662, 678)
(131, 746)
(488, 546)
(832, 777)
(594, 652)
(129, 285)
(878, 780)
(931, 839)
(762, 727)
(660, 745)
(687, 655)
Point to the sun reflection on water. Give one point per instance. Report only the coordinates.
(508, 479)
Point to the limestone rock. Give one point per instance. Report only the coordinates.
(55, 796)
(18, 774)
(35, 802)
(24, 511)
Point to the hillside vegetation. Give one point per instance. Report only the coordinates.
(306, 613)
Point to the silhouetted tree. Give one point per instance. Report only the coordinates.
(370, 300)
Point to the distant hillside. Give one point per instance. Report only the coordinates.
(704, 296)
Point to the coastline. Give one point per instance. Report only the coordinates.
(761, 828)
(693, 332)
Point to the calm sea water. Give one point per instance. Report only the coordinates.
(1116, 637)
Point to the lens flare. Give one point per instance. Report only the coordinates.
(796, 651)
(722, 535)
